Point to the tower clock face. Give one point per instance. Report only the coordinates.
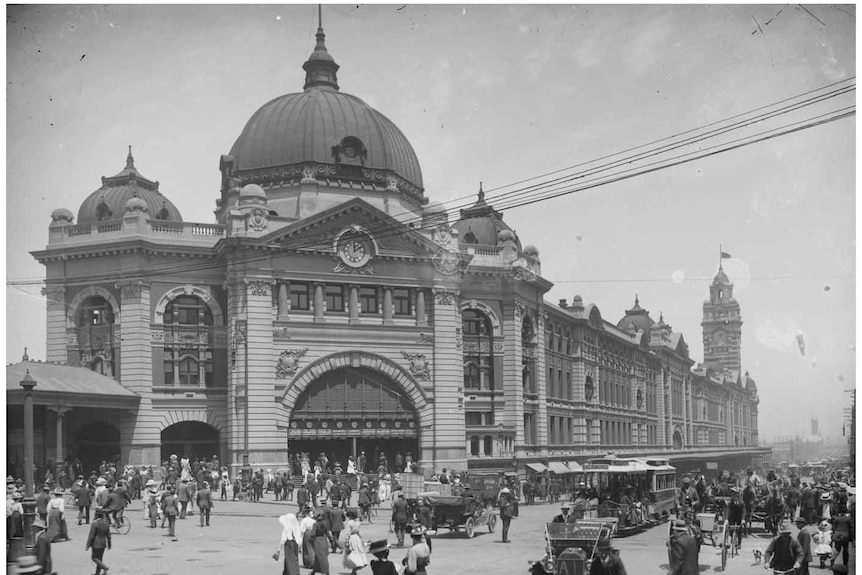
(353, 248)
(720, 337)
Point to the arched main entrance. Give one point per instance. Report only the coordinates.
(191, 439)
(349, 410)
(95, 442)
(677, 439)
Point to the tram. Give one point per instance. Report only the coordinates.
(636, 492)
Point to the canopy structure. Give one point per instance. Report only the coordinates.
(71, 386)
(558, 467)
(537, 467)
(574, 466)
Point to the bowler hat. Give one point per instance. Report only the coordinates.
(785, 528)
(679, 525)
(799, 520)
(603, 544)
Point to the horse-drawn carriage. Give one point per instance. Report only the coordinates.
(572, 542)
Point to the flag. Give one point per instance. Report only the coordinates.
(725, 256)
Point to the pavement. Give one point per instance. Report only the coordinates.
(243, 536)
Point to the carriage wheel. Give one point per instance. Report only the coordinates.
(724, 545)
(470, 527)
(492, 523)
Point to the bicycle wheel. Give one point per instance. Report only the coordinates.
(125, 526)
(724, 545)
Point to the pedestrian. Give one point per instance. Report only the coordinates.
(301, 497)
(98, 540)
(42, 502)
(183, 497)
(418, 556)
(783, 553)
(117, 502)
(205, 503)
(565, 515)
(83, 499)
(191, 490)
(170, 510)
(381, 565)
(365, 502)
(842, 535)
(354, 551)
(823, 540)
(15, 517)
(607, 560)
(320, 536)
(336, 525)
(683, 551)
(306, 526)
(507, 511)
(399, 518)
(290, 544)
(56, 517)
(804, 538)
(42, 546)
(225, 482)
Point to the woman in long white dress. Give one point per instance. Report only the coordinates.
(354, 552)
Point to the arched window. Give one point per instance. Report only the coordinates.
(188, 352)
(478, 334)
(103, 212)
(469, 238)
(94, 320)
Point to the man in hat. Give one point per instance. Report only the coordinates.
(399, 518)
(418, 556)
(83, 499)
(204, 500)
(170, 510)
(98, 540)
(506, 503)
(607, 560)
(784, 552)
(118, 499)
(688, 497)
(842, 534)
(565, 515)
(42, 502)
(804, 538)
(381, 565)
(42, 546)
(736, 515)
(365, 502)
(683, 551)
(423, 517)
(183, 497)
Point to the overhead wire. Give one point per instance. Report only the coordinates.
(549, 189)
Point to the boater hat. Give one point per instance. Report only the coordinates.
(378, 546)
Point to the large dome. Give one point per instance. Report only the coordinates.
(308, 126)
(322, 129)
(109, 201)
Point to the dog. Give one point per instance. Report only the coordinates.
(758, 556)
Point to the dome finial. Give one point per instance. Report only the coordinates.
(637, 301)
(130, 160)
(481, 192)
(320, 68)
(25, 357)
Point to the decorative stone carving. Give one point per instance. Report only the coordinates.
(280, 333)
(131, 291)
(589, 388)
(445, 297)
(365, 270)
(442, 235)
(391, 183)
(288, 362)
(257, 219)
(157, 336)
(522, 274)
(425, 338)
(308, 175)
(520, 310)
(118, 334)
(260, 287)
(418, 365)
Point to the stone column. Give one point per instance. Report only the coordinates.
(387, 305)
(59, 460)
(446, 429)
(421, 319)
(513, 372)
(56, 323)
(283, 300)
(541, 385)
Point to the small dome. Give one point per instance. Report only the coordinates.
(637, 318)
(61, 215)
(532, 251)
(251, 191)
(109, 201)
(721, 277)
(136, 204)
(482, 225)
(505, 235)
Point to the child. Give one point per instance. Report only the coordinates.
(823, 538)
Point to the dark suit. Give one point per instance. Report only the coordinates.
(683, 555)
(83, 499)
(399, 519)
(99, 539)
(804, 539)
(205, 503)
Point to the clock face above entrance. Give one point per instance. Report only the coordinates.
(354, 247)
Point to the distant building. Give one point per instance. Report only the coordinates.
(331, 307)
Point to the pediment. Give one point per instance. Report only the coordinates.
(391, 238)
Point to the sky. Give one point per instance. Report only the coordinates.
(497, 94)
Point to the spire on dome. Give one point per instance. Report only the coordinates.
(26, 357)
(320, 68)
(130, 160)
(481, 192)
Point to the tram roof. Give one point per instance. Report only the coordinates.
(72, 386)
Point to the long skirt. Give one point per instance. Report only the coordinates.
(321, 555)
(56, 526)
(291, 558)
(307, 550)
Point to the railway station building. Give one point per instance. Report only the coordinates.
(332, 306)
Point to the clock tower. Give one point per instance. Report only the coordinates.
(722, 326)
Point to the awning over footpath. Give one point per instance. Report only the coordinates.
(537, 467)
(558, 467)
(574, 466)
(71, 386)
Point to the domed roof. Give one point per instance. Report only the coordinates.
(325, 126)
(109, 201)
(61, 215)
(638, 317)
(720, 277)
(481, 224)
(252, 191)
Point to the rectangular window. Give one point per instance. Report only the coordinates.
(401, 301)
(568, 385)
(298, 296)
(473, 418)
(368, 300)
(550, 384)
(334, 296)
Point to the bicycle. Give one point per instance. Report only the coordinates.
(124, 526)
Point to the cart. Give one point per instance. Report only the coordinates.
(460, 513)
(580, 537)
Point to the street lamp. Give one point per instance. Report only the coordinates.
(29, 503)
